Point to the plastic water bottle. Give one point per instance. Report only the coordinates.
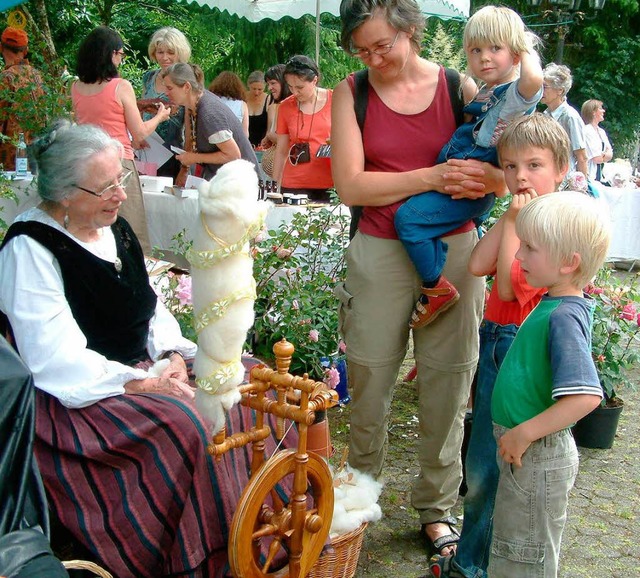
(22, 163)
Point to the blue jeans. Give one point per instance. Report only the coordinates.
(472, 557)
(424, 218)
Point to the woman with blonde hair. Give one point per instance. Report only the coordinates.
(228, 86)
(167, 46)
(599, 149)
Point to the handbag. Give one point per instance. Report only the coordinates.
(268, 158)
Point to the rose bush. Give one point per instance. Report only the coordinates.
(296, 268)
(616, 327)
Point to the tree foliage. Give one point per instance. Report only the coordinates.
(602, 48)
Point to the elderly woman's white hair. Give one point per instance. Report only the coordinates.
(62, 153)
(558, 76)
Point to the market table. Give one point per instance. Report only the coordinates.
(624, 209)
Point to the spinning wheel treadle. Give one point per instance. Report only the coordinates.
(262, 515)
(293, 527)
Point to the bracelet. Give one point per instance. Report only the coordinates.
(168, 354)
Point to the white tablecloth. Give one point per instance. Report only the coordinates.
(168, 215)
(624, 208)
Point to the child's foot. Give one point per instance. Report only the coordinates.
(434, 301)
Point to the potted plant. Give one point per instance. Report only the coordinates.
(616, 327)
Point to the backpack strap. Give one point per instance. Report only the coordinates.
(455, 94)
(360, 100)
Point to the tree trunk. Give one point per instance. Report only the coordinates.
(39, 23)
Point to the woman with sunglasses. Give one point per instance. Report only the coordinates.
(302, 165)
(121, 448)
(102, 98)
(409, 118)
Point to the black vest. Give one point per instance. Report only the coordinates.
(112, 308)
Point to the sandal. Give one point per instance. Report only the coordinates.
(438, 300)
(436, 546)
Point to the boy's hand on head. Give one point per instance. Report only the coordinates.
(512, 445)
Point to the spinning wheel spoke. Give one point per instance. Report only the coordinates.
(257, 525)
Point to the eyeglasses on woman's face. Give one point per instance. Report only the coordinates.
(120, 53)
(108, 192)
(380, 50)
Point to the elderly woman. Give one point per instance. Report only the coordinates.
(393, 158)
(557, 83)
(102, 98)
(303, 126)
(121, 450)
(167, 46)
(599, 149)
(216, 135)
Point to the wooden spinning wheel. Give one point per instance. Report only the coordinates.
(295, 525)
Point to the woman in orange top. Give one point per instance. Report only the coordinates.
(304, 126)
(102, 98)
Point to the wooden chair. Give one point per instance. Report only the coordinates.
(300, 525)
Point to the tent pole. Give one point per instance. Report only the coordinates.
(318, 32)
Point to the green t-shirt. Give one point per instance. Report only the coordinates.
(549, 358)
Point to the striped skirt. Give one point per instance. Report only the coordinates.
(130, 478)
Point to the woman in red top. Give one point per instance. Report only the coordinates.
(102, 98)
(409, 118)
(304, 126)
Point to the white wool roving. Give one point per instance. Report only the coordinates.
(355, 500)
(223, 287)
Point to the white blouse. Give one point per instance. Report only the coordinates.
(597, 142)
(47, 336)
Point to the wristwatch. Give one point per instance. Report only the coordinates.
(168, 354)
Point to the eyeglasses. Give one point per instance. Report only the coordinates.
(121, 54)
(108, 192)
(380, 50)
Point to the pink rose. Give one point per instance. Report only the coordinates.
(261, 236)
(283, 253)
(601, 358)
(342, 346)
(331, 377)
(314, 335)
(628, 312)
(183, 290)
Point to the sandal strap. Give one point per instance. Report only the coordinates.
(435, 291)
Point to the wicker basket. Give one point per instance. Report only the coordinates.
(84, 565)
(343, 560)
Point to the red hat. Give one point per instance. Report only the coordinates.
(14, 37)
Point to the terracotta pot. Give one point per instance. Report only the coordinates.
(319, 437)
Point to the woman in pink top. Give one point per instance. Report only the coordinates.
(102, 98)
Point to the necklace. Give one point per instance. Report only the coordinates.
(300, 123)
(193, 117)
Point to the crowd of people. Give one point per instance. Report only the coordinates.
(89, 327)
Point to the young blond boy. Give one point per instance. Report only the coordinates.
(547, 382)
(534, 154)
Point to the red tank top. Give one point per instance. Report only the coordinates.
(103, 110)
(395, 142)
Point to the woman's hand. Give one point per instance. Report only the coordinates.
(472, 179)
(177, 369)
(164, 112)
(160, 385)
(187, 159)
